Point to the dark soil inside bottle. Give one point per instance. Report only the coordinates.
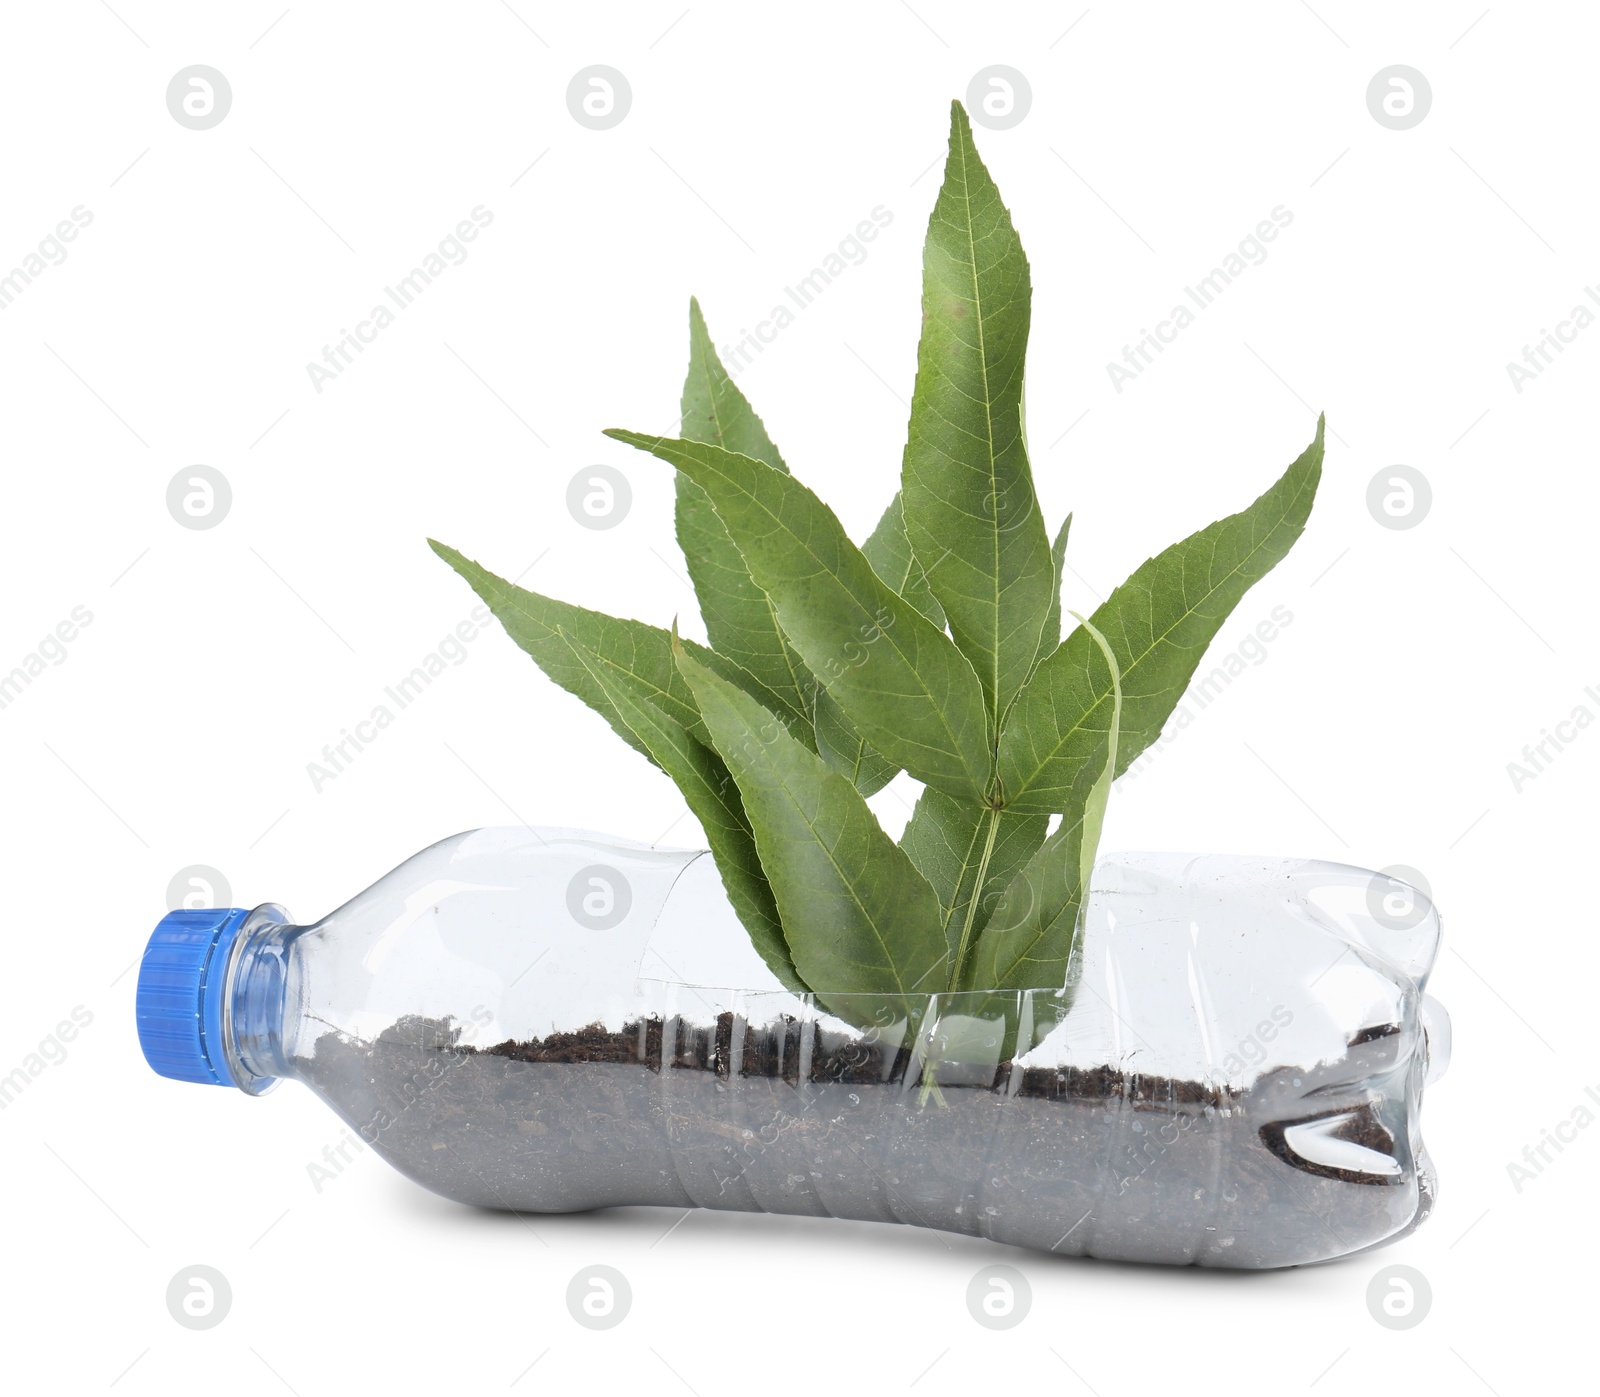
(1300, 1165)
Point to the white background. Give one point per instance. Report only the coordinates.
(218, 663)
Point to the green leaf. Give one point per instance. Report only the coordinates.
(898, 678)
(739, 617)
(857, 915)
(841, 745)
(741, 621)
(713, 799)
(1094, 808)
(970, 509)
(1158, 623)
(1029, 940)
(889, 551)
(947, 839)
(1050, 635)
(714, 410)
(641, 650)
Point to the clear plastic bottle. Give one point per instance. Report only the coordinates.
(537, 1020)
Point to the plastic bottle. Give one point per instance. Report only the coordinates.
(537, 1020)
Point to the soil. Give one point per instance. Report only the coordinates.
(786, 1117)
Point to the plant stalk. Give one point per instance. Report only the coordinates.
(963, 946)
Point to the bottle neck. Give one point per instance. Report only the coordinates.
(256, 997)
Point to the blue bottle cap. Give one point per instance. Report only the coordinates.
(179, 1002)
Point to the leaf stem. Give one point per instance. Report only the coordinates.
(972, 902)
